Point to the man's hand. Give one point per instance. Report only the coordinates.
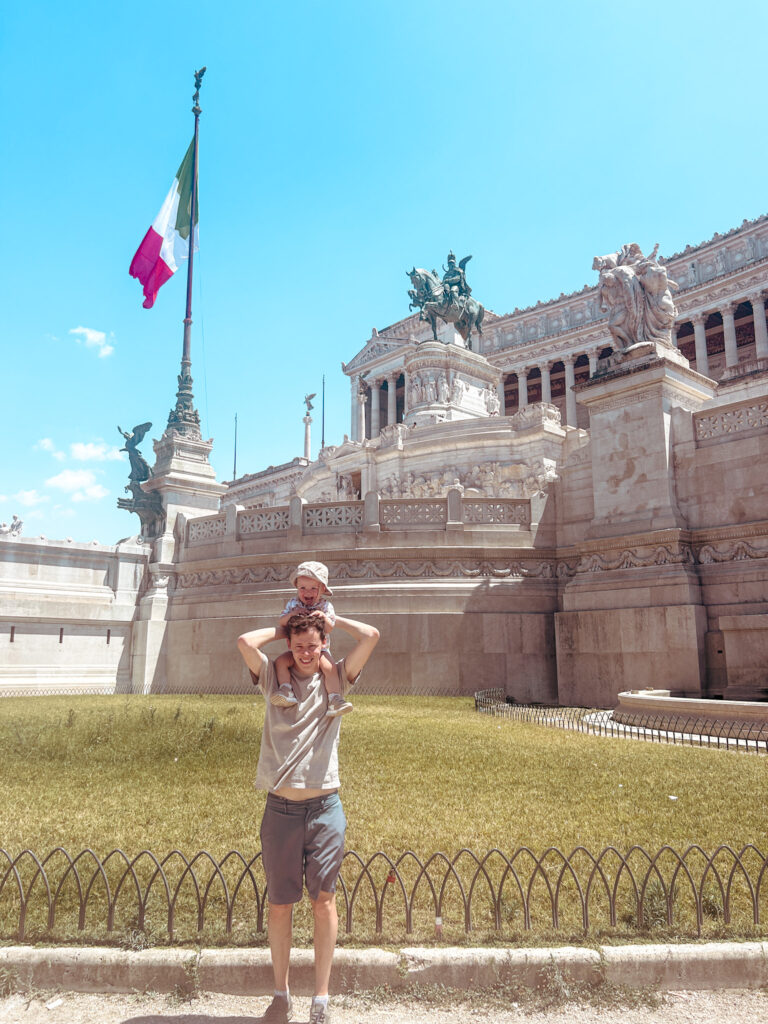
(250, 644)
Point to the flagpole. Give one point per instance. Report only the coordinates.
(322, 433)
(197, 111)
(234, 464)
(185, 419)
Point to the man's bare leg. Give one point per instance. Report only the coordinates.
(326, 930)
(280, 929)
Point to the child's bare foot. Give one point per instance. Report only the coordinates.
(283, 697)
(338, 706)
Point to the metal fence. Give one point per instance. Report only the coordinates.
(179, 898)
(656, 727)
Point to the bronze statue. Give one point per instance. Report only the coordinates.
(450, 299)
(139, 466)
(148, 507)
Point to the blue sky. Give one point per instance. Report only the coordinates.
(340, 144)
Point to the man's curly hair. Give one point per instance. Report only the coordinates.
(303, 622)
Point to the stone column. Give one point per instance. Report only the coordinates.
(361, 400)
(570, 397)
(375, 408)
(594, 355)
(307, 437)
(501, 397)
(391, 399)
(522, 387)
(700, 336)
(546, 383)
(729, 329)
(761, 332)
(673, 335)
(353, 413)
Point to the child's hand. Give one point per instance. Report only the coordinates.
(329, 622)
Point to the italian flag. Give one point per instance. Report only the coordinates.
(166, 244)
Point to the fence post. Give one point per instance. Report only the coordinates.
(296, 516)
(231, 514)
(371, 523)
(455, 520)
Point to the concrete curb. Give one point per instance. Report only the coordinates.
(719, 965)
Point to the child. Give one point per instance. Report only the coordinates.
(311, 582)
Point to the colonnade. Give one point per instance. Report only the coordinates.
(361, 396)
(728, 313)
(701, 361)
(572, 367)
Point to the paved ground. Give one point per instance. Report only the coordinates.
(676, 1008)
(731, 1007)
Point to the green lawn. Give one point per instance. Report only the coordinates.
(420, 774)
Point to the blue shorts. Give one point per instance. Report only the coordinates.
(302, 839)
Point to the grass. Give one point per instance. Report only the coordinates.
(420, 774)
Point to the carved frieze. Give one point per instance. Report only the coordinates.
(634, 558)
(234, 576)
(736, 552)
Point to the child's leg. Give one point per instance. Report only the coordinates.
(283, 666)
(284, 697)
(337, 705)
(330, 675)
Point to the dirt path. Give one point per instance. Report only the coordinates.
(724, 1007)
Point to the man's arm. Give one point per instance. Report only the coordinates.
(366, 636)
(250, 644)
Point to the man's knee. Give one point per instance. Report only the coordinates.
(280, 910)
(325, 904)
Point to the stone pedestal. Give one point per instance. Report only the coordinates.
(446, 382)
(630, 400)
(186, 483)
(185, 480)
(632, 611)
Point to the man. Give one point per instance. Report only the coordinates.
(455, 280)
(302, 831)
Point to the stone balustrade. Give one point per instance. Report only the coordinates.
(454, 511)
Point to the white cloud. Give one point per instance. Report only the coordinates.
(94, 339)
(91, 451)
(92, 493)
(29, 498)
(72, 479)
(45, 444)
(80, 484)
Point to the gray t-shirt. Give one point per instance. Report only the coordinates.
(299, 745)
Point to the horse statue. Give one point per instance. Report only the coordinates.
(434, 299)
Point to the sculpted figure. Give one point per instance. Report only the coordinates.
(449, 299)
(455, 279)
(139, 466)
(459, 390)
(430, 390)
(492, 402)
(443, 392)
(659, 310)
(636, 293)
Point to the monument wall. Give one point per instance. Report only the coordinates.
(554, 510)
(66, 614)
(456, 585)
